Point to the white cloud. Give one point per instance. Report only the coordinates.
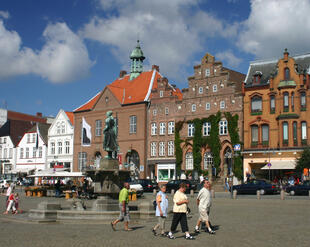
(4, 14)
(171, 32)
(229, 58)
(63, 57)
(274, 25)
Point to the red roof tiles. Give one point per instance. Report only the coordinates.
(70, 116)
(89, 104)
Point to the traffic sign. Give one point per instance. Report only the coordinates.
(237, 147)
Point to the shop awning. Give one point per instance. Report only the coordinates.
(280, 165)
(22, 170)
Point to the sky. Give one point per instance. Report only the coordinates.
(57, 54)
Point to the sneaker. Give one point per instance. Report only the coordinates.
(189, 237)
(210, 232)
(154, 232)
(171, 236)
(196, 231)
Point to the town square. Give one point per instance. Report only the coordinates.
(178, 123)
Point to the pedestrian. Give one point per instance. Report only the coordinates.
(57, 188)
(124, 209)
(16, 203)
(11, 201)
(8, 193)
(180, 202)
(226, 186)
(204, 203)
(161, 210)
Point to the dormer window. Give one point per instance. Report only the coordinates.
(257, 77)
(286, 74)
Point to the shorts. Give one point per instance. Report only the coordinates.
(124, 216)
(204, 214)
(161, 222)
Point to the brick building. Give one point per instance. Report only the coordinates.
(212, 89)
(276, 115)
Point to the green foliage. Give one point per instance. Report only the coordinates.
(177, 144)
(197, 140)
(304, 160)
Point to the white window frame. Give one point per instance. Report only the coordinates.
(208, 106)
(133, 124)
(206, 129)
(161, 149)
(21, 153)
(207, 160)
(304, 130)
(34, 152)
(222, 104)
(166, 110)
(63, 128)
(170, 128)
(98, 127)
(189, 161)
(207, 72)
(190, 130)
(162, 128)
(154, 112)
(82, 159)
(53, 150)
(59, 145)
(28, 138)
(194, 107)
(170, 148)
(27, 153)
(153, 129)
(67, 147)
(223, 128)
(214, 87)
(153, 149)
(161, 94)
(200, 90)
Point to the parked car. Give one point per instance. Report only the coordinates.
(252, 186)
(148, 184)
(134, 185)
(175, 185)
(300, 189)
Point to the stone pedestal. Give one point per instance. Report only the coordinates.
(108, 164)
(105, 203)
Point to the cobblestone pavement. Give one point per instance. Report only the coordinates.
(242, 222)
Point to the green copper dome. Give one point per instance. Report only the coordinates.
(137, 52)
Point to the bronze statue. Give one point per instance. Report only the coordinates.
(110, 136)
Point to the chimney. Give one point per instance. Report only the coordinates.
(122, 73)
(285, 54)
(155, 67)
(39, 114)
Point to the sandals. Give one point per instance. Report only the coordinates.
(210, 232)
(190, 237)
(171, 236)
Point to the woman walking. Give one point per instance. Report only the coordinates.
(161, 210)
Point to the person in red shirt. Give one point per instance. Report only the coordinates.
(11, 204)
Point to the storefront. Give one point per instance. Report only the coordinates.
(165, 172)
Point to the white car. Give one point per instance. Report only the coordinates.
(137, 187)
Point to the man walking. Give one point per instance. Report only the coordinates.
(161, 210)
(204, 203)
(179, 213)
(124, 209)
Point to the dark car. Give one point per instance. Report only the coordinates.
(175, 185)
(300, 189)
(252, 186)
(148, 185)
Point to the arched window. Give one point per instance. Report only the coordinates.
(272, 104)
(265, 134)
(207, 160)
(254, 135)
(304, 133)
(303, 101)
(189, 161)
(295, 133)
(285, 102)
(285, 132)
(256, 104)
(286, 74)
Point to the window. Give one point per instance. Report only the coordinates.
(286, 74)
(207, 72)
(40, 152)
(191, 130)
(28, 138)
(295, 133)
(82, 160)
(200, 90)
(153, 149)
(162, 128)
(303, 100)
(272, 104)
(285, 102)
(170, 128)
(214, 88)
(34, 152)
(63, 128)
(161, 149)
(58, 128)
(206, 128)
(59, 147)
(11, 153)
(53, 148)
(223, 127)
(265, 134)
(166, 110)
(256, 104)
(222, 104)
(207, 160)
(27, 153)
(189, 161)
(21, 155)
(208, 106)
(33, 138)
(0, 152)
(161, 94)
(153, 129)
(303, 131)
(133, 124)
(98, 127)
(193, 107)
(170, 148)
(67, 143)
(254, 134)
(4, 140)
(5, 153)
(154, 112)
(285, 132)
(292, 101)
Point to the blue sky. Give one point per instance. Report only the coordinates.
(57, 54)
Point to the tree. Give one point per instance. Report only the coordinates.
(304, 160)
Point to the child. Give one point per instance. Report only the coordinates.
(11, 201)
(17, 204)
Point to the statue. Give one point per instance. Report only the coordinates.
(110, 135)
